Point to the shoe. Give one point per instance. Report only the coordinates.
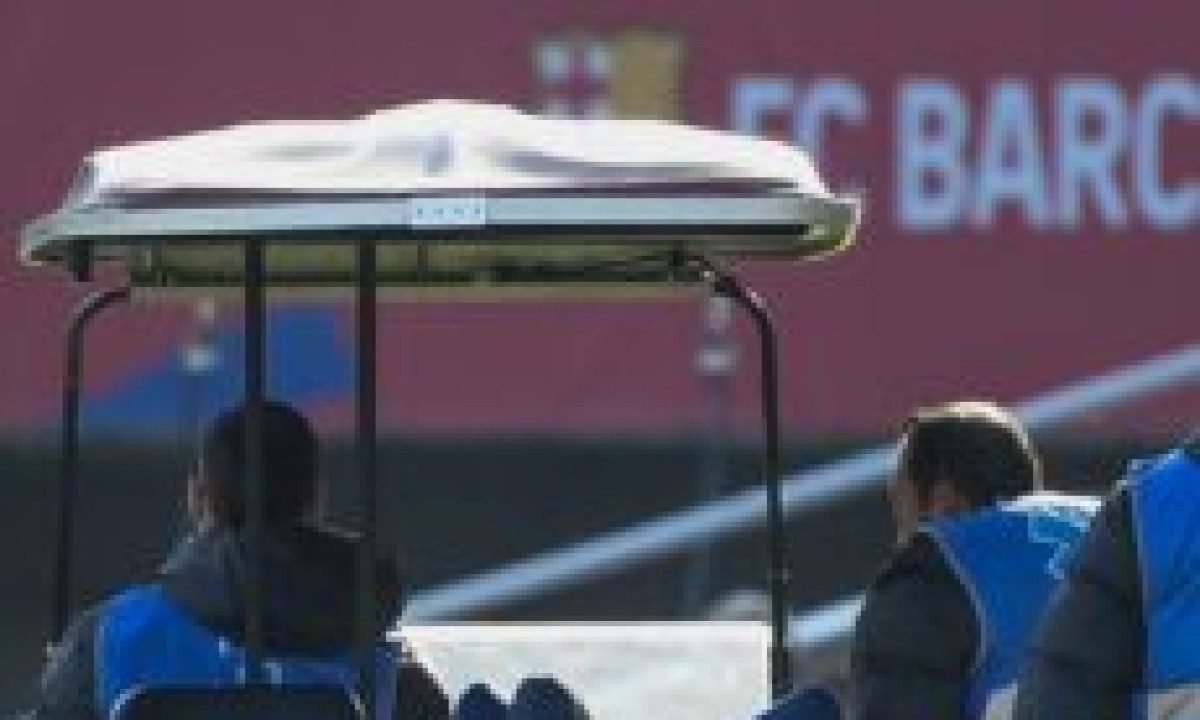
(544, 698)
(478, 702)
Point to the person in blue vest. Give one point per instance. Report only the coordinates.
(186, 627)
(946, 623)
(1122, 639)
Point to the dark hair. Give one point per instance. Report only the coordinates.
(978, 447)
(289, 464)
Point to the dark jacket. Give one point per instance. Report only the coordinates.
(1089, 656)
(309, 602)
(915, 639)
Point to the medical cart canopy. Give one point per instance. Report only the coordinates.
(453, 195)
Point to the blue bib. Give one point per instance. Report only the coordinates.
(1009, 558)
(145, 640)
(1166, 513)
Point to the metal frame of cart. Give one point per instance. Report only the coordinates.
(574, 224)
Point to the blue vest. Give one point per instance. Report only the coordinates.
(1166, 514)
(1009, 558)
(145, 640)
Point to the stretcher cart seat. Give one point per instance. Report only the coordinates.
(617, 671)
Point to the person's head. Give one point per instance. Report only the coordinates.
(217, 486)
(958, 457)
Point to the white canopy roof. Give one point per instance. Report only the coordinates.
(474, 186)
(442, 146)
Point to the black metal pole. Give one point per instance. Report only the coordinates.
(87, 310)
(367, 421)
(748, 300)
(254, 309)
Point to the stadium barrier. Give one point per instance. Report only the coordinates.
(804, 492)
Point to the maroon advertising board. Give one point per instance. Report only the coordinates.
(1030, 174)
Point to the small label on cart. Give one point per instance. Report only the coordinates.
(448, 212)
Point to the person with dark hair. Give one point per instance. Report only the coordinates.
(1119, 640)
(980, 546)
(187, 626)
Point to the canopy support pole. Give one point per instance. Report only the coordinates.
(86, 311)
(366, 407)
(254, 319)
(745, 298)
